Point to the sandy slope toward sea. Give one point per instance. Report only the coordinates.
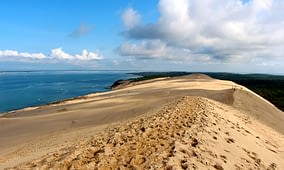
(184, 122)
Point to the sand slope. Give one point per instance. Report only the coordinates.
(189, 133)
(259, 108)
(32, 133)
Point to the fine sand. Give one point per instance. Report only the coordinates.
(182, 123)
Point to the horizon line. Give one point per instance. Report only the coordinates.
(280, 74)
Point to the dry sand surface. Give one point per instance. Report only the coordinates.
(173, 123)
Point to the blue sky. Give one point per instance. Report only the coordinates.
(38, 26)
(190, 35)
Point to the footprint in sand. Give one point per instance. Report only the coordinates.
(230, 140)
(224, 158)
(194, 142)
(218, 166)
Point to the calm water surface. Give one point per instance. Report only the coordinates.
(24, 89)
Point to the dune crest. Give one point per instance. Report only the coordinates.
(189, 133)
(196, 76)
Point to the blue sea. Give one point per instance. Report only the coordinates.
(32, 88)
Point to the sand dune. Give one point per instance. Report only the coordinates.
(259, 108)
(154, 124)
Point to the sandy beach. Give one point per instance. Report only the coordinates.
(187, 122)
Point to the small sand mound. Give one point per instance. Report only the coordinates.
(189, 133)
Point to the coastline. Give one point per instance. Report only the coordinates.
(30, 108)
(58, 102)
(141, 77)
(39, 88)
(130, 82)
(32, 134)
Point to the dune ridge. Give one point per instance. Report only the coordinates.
(189, 133)
(220, 116)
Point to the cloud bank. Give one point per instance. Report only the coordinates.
(16, 54)
(56, 55)
(208, 30)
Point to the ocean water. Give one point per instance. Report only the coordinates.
(25, 89)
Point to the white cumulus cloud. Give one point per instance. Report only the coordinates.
(145, 49)
(219, 30)
(130, 18)
(56, 54)
(60, 54)
(156, 49)
(84, 56)
(16, 54)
